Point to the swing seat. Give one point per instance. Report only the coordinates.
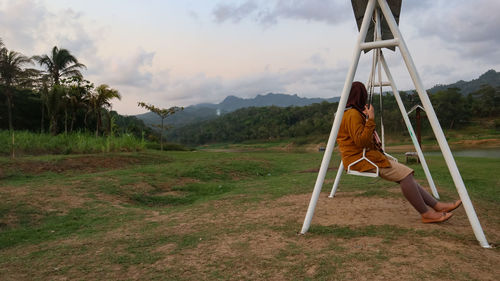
(363, 174)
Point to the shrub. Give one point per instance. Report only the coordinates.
(34, 143)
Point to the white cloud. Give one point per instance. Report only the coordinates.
(420, 6)
(234, 13)
(312, 82)
(449, 40)
(469, 28)
(331, 12)
(130, 71)
(28, 27)
(271, 12)
(21, 23)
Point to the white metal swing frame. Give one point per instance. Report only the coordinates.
(398, 42)
(377, 65)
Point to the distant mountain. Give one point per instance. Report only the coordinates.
(232, 103)
(205, 111)
(490, 77)
(189, 115)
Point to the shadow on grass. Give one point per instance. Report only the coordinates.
(385, 231)
(189, 194)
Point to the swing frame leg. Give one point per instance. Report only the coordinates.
(338, 117)
(337, 179)
(436, 127)
(410, 128)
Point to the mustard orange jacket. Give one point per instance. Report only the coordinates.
(356, 133)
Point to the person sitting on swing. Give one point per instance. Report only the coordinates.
(357, 132)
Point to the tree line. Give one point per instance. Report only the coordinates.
(57, 95)
(454, 110)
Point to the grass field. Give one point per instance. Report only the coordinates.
(232, 215)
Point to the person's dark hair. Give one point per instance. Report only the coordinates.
(357, 96)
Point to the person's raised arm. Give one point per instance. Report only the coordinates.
(369, 111)
(360, 131)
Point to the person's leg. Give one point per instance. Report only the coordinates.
(411, 192)
(428, 199)
(436, 205)
(415, 195)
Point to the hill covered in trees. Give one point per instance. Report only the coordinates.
(207, 111)
(490, 77)
(454, 110)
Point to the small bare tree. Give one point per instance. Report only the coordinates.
(162, 113)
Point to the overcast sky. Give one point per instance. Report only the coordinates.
(179, 53)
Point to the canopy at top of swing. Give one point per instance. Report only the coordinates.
(359, 7)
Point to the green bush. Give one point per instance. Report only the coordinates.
(497, 123)
(33, 143)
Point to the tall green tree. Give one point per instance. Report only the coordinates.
(60, 63)
(451, 108)
(43, 92)
(12, 74)
(485, 101)
(54, 104)
(101, 100)
(162, 113)
(78, 90)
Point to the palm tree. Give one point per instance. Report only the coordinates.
(79, 89)
(101, 100)
(60, 63)
(11, 75)
(43, 91)
(54, 101)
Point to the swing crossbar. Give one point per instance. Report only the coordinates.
(379, 44)
(378, 84)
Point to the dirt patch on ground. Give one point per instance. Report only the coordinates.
(437, 252)
(84, 164)
(162, 189)
(226, 240)
(462, 144)
(43, 200)
(484, 143)
(408, 147)
(346, 209)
